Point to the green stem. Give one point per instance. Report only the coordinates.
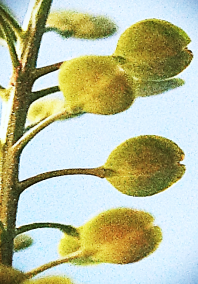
(64, 228)
(25, 139)
(69, 257)
(13, 125)
(11, 21)
(39, 72)
(99, 172)
(34, 33)
(7, 33)
(42, 93)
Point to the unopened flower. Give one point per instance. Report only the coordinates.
(144, 165)
(154, 49)
(95, 84)
(120, 236)
(80, 25)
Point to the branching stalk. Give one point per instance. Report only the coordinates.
(16, 111)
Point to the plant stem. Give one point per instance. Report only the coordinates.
(15, 110)
(42, 93)
(13, 124)
(39, 72)
(23, 141)
(7, 32)
(11, 21)
(64, 228)
(69, 257)
(99, 172)
(34, 33)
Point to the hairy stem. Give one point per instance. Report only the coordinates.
(34, 33)
(42, 93)
(11, 21)
(99, 172)
(7, 33)
(13, 123)
(64, 228)
(51, 264)
(29, 135)
(39, 72)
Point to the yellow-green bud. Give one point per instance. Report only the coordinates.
(80, 25)
(144, 165)
(43, 108)
(9, 275)
(22, 242)
(49, 280)
(154, 49)
(95, 84)
(120, 236)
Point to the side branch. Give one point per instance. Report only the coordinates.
(11, 20)
(99, 172)
(42, 93)
(39, 72)
(25, 139)
(7, 33)
(68, 258)
(64, 228)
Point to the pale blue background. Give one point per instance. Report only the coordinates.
(87, 141)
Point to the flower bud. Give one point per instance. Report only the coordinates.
(9, 275)
(154, 50)
(120, 236)
(144, 165)
(80, 25)
(95, 84)
(22, 242)
(49, 280)
(43, 108)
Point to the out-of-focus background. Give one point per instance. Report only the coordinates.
(88, 140)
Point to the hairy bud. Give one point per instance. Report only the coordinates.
(120, 236)
(95, 84)
(154, 50)
(144, 165)
(80, 25)
(22, 242)
(43, 108)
